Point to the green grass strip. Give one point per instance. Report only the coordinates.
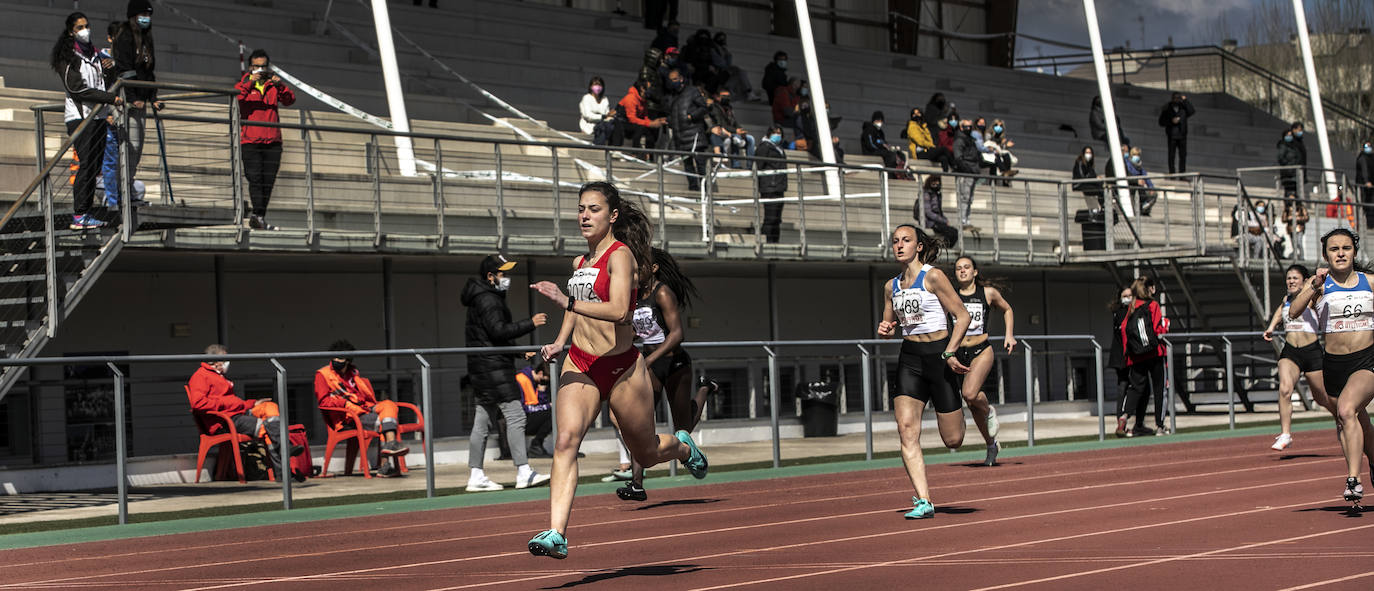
(71, 531)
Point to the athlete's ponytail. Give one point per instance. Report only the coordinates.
(930, 246)
(631, 226)
(671, 275)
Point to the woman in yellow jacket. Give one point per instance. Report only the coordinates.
(922, 145)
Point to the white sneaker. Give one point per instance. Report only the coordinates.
(1282, 442)
(993, 449)
(531, 479)
(993, 425)
(484, 485)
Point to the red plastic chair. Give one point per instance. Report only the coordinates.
(230, 439)
(358, 438)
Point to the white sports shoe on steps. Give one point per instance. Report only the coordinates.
(531, 479)
(1282, 442)
(483, 485)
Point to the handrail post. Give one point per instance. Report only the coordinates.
(844, 215)
(121, 445)
(1063, 223)
(773, 397)
(758, 210)
(885, 198)
(996, 232)
(125, 183)
(501, 199)
(672, 428)
(284, 437)
(1030, 398)
(376, 192)
(1101, 396)
(1169, 392)
(1230, 384)
(1030, 227)
(557, 203)
(439, 201)
(427, 408)
(309, 183)
(801, 206)
(48, 209)
(662, 207)
(236, 161)
(868, 402)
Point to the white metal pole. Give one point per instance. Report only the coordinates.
(813, 73)
(1108, 108)
(395, 98)
(1318, 115)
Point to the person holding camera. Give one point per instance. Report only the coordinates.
(261, 92)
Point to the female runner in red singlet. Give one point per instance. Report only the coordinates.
(603, 363)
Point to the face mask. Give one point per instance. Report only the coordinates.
(782, 64)
(1135, 160)
(675, 86)
(1259, 209)
(1369, 149)
(596, 89)
(806, 92)
(1288, 138)
(1088, 157)
(338, 366)
(878, 124)
(84, 36)
(997, 129)
(935, 187)
(775, 138)
(145, 22)
(503, 284)
(224, 368)
(1125, 301)
(954, 123)
(1297, 134)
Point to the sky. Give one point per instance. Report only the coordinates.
(1189, 22)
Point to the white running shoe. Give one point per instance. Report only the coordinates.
(1282, 442)
(993, 448)
(484, 485)
(531, 479)
(993, 425)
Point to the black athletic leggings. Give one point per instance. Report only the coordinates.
(1147, 379)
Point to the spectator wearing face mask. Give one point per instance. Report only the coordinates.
(261, 93)
(734, 79)
(1295, 218)
(666, 36)
(1290, 153)
(1097, 124)
(1364, 179)
(1255, 223)
(966, 159)
(1083, 169)
(210, 390)
(595, 108)
(489, 324)
(135, 59)
(344, 394)
(688, 120)
(1135, 166)
(772, 186)
(775, 76)
(84, 77)
(1174, 119)
(937, 110)
(1000, 146)
(787, 105)
(1297, 128)
(923, 145)
(811, 132)
(934, 202)
(873, 142)
(638, 127)
(727, 136)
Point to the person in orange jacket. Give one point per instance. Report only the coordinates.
(343, 393)
(209, 390)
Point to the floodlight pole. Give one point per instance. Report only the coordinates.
(1313, 91)
(813, 72)
(395, 97)
(1104, 88)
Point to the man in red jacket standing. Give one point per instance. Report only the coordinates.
(209, 390)
(260, 93)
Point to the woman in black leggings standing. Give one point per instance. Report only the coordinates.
(1145, 356)
(1116, 360)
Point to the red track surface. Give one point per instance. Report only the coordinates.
(1225, 514)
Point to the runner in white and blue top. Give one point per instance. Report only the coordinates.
(920, 299)
(1344, 303)
(1301, 355)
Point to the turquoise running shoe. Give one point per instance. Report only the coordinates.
(923, 510)
(549, 543)
(697, 462)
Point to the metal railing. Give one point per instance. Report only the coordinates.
(870, 351)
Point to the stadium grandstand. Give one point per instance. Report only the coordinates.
(377, 224)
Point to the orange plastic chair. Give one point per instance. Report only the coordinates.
(230, 438)
(358, 438)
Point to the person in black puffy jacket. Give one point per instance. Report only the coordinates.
(772, 186)
(489, 324)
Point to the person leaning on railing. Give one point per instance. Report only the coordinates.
(135, 58)
(84, 77)
(210, 391)
(261, 92)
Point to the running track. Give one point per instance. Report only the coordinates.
(1219, 514)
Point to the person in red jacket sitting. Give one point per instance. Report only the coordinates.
(209, 390)
(343, 393)
(260, 93)
(1145, 368)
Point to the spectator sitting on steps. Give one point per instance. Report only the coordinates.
(1083, 169)
(1000, 146)
(966, 159)
(923, 145)
(775, 76)
(935, 211)
(345, 394)
(873, 142)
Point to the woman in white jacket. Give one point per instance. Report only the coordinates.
(594, 106)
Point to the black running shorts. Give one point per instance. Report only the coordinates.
(966, 356)
(923, 375)
(1307, 358)
(1337, 369)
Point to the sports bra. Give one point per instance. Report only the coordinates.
(1346, 309)
(648, 319)
(917, 310)
(977, 306)
(593, 284)
(1307, 322)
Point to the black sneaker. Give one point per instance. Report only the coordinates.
(632, 491)
(1142, 430)
(388, 470)
(711, 385)
(1353, 490)
(394, 448)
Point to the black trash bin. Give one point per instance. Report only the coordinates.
(1094, 228)
(820, 415)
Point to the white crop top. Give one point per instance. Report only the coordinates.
(1307, 322)
(1346, 309)
(917, 310)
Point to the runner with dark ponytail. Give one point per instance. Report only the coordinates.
(976, 352)
(603, 364)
